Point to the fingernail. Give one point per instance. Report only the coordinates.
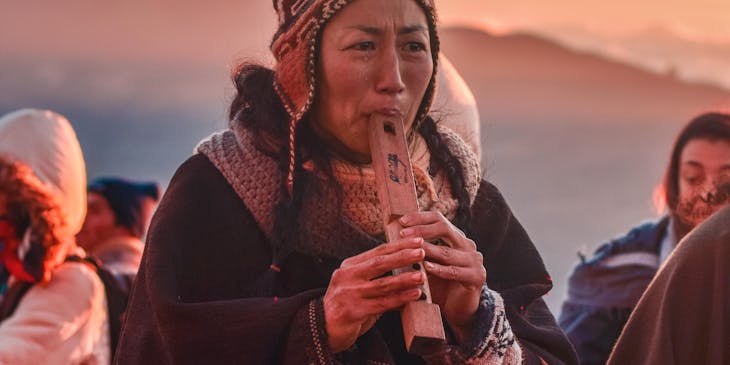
(428, 265)
(417, 276)
(404, 220)
(406, 232)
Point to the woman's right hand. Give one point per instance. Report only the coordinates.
(358, 293)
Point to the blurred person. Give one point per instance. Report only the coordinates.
(52, 307)
(603, 290)
(117, 217)
(455, 103)
(684, 315)
(268, 247)
(118, 212)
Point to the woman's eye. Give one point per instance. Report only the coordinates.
(364, 46)
(415, 47)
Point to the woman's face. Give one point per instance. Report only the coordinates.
(100, 224)
(375, 57)
(703, 167)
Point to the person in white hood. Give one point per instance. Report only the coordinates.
(455, 102)
(52, 309)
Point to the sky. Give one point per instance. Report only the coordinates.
(690, 39)
(155, 28)
(687, 37)
(706, 18)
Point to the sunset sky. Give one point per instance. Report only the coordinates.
(706, 18)
(44, 40)
(158, 29)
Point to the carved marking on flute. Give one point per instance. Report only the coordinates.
(394, 164)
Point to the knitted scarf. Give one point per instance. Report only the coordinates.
(360, 200)
(256, 179)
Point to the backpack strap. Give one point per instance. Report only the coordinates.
(84, 260)
(17, 291)
(117, 287)
(12, 298)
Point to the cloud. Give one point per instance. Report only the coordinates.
(660, 48)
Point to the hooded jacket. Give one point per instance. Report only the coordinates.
(603, 290)
(62, 321)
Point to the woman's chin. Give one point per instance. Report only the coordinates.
(358, 157)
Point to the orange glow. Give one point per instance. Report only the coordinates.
(707, 17)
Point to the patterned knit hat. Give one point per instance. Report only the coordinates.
(295, 47)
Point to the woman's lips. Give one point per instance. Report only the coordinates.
(389, 111)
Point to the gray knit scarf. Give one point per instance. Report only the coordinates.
(257, 180)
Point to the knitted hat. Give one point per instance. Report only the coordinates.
(126, 200)
(295, 47)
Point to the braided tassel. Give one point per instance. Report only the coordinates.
(292, 158)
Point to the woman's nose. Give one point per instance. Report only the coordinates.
(389, 78)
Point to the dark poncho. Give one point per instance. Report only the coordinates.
(684, 315)
(197, 299)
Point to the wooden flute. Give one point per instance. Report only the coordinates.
(422, 325)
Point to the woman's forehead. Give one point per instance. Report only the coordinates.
(374, 16)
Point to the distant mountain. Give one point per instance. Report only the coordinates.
(523, 77)
(576, 142)
(658, 47)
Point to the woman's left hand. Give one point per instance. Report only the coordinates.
(455, 269)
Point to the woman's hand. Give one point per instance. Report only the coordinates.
(455, 269)
(359, 292)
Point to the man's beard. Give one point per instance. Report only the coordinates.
(693, 211)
